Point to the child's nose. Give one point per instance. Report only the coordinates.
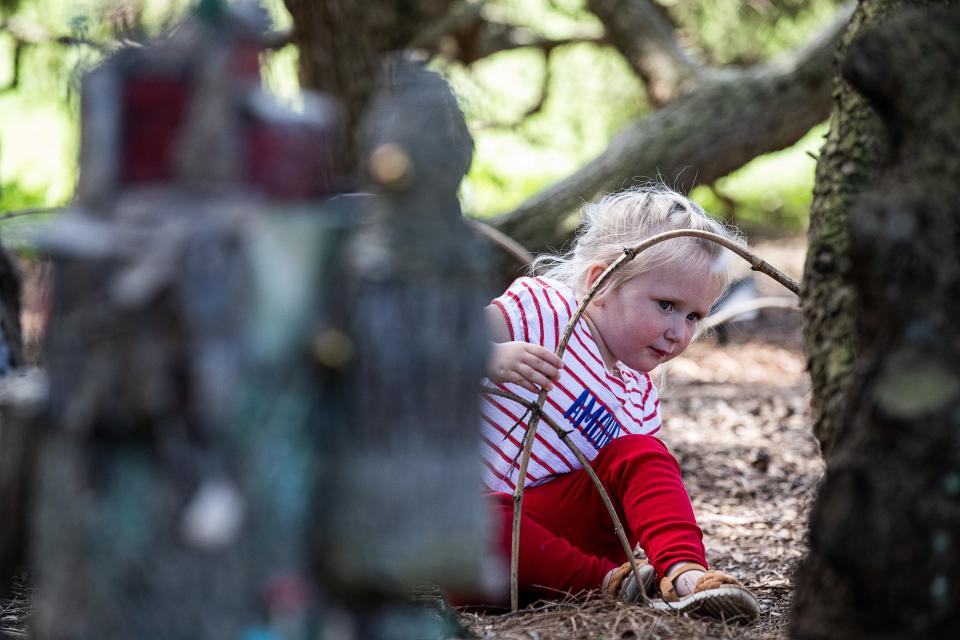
(674, 332)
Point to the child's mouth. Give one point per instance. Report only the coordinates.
(659, 354)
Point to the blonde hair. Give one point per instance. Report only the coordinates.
(625, 219)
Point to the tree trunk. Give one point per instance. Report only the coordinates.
(341, 43)
(15, 443)
(848, 163)
(885, 525)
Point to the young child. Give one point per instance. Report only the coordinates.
(601, 391)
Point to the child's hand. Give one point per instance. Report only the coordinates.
(528, 365)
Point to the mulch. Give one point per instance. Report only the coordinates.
(14, 613)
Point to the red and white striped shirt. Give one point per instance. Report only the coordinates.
(586, 399)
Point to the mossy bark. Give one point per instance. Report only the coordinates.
(882, 291)
(848, 163)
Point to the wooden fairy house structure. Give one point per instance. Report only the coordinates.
(262, 391)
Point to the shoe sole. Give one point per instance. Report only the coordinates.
(726, 604)
(648, 577)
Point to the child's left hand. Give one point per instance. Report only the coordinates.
(528, 365)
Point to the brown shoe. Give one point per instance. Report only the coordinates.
(622, 584)
(716, 595)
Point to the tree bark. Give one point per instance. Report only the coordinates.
(648, 43)
(848, 162)
(884, 529)
(16, 443)
(329, 34)
(466, 35)
(693, 140)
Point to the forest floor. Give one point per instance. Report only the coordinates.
(736, 415)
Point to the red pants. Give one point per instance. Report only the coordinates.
(567, 540)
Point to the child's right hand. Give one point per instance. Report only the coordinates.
(528, 365)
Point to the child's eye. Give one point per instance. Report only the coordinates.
(693, 317)
(666, 305)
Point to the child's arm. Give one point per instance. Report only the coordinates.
(528, 365)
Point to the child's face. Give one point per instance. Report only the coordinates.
(652, 317)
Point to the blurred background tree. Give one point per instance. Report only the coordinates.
(576, 96)
(548, 86)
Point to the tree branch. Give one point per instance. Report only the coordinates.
(19, 213)
(15, 63)
(462, 16)
(467, 35)
(728, 203)
(533, 109)
(696, 139)
(756, 304)
(277, 39)
(25, 34)
(507, 244)
(29, 34)
(495, 37)
(647, 41)
(582, 459)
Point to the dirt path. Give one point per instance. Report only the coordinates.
(737, 418)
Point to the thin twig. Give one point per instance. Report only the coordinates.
(14, 83)
(461, 15)
(771, 302)
(546, 606)
(730, 205)
(19, 213)
(565, 437)
(533, 109)
(514, 426)
(516, 250)
(756, 263)
(26, 34)
(648, 41)
(518, 502)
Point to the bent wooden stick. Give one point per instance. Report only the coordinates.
(756, 263)
(565, 437)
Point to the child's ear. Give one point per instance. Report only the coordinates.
(593, 274)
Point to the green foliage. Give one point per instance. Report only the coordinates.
(38, 152)
(773, 192)
(552, 18)
(744, 32)
(8, 6)
(591, 94)
(279, 68)
(16, 195)
(39, 117)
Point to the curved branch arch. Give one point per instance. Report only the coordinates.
(629, 253)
